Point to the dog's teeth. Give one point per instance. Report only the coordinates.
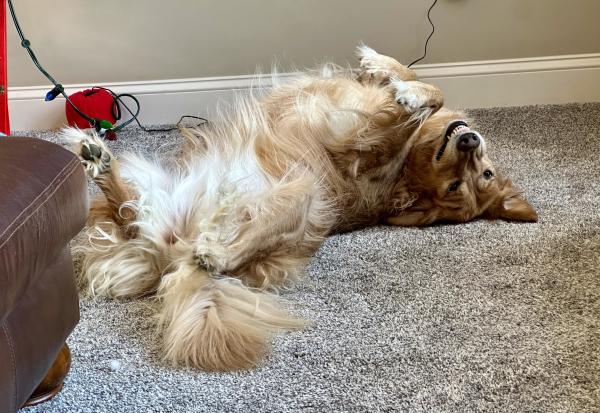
(458, 130)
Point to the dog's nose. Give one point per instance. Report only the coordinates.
(467, 142)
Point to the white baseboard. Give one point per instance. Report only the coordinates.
(513, 82)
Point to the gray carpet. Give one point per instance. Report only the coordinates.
(488, 316)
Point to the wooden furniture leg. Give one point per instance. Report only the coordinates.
(52, 384)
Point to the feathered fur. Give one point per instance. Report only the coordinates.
(253, 195)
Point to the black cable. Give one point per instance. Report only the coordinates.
(118, 101)
(57, 86)
(178, 124)
(430, 34)
(117, 98)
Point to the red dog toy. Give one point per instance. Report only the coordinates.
(97, 104)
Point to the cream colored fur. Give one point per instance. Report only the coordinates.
(247, 203)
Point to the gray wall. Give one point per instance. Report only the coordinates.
(92, 41)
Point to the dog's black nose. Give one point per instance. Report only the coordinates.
(467, 142)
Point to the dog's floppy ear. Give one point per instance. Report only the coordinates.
(511, 206)
(407, 209)
(415, 216)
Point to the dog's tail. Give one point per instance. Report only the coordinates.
(216, 324)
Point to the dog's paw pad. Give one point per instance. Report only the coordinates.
(90, 152)
(95, 158)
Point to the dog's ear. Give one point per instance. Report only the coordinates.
(413, 218)
(408, 209)
(407, 219)
(511, 206)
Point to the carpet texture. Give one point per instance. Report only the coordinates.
(487, 316)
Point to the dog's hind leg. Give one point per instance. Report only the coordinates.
(216, 324)
(268, 240)
(101, 165)
(113, 266)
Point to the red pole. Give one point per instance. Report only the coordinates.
(4, 125)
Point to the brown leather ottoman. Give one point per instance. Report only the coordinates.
(43, 204)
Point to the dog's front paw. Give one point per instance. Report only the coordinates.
(373, 63)
(406, 95)
(417, 97)
(93, 153)
(380, 67)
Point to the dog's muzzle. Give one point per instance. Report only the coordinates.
(466, 140)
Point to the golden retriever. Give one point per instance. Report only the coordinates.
(212, 232)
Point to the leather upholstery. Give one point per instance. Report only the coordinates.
(43, 204)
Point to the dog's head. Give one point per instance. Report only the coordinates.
(448, 177)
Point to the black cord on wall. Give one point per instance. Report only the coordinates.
(118, 98)
(430, 34)
(98, 124)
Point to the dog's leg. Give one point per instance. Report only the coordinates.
(408, 92)
(394, 112)
(103, 168)
(418, 99)
(216, 324)
(386, 71)
(269, 240)
(114, 266)
(376, 68)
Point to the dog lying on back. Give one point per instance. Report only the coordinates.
(252, 196)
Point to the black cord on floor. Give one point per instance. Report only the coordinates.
(430, 34)
(118, 102)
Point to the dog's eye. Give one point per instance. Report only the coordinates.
(454, 186)
(487, 174)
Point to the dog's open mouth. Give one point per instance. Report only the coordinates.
(455, 128)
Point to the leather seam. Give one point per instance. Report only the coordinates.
(14, 366)
(53, 186)
(41, 194)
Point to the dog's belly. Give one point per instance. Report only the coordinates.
(178, 203)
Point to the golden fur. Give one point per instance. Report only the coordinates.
(253, 195)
